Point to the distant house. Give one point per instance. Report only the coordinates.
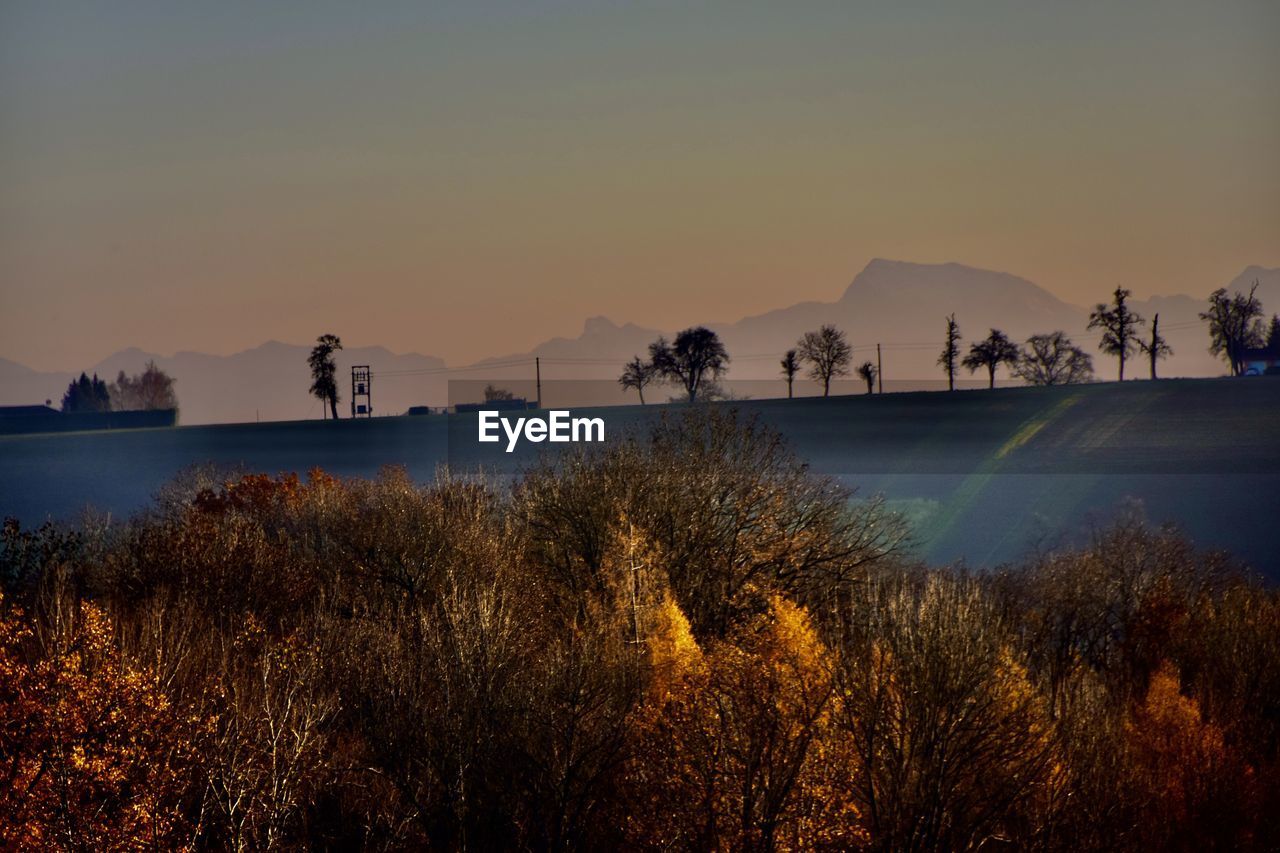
(1261, 361)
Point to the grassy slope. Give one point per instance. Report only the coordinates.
(985, 474)
(999, 471)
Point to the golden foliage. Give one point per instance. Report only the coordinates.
(89, 747)
(1184, 767)
(740, 751)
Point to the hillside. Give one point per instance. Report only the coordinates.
(984, 475)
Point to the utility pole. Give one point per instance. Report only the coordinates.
(879, 372)
(537, 368)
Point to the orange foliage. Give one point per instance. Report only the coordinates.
(87, 747)
(739, 750)
(1182, 762)
(261, 492)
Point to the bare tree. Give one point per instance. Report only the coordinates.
(1053, 360)
(950, 352)
(324, 371)
(953, 737)
(996, 350)
(828, 354)
(149, 390)
(696, 356)
(790, 367)
(867, 370)
(637, 374)
(1156, 348)
(1233, 324)
(1119, 327)
(494, 394)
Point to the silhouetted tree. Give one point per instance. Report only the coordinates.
(637, 374)
(149, 390)
(1053, 360)
(867, 370)
(86, 395)
(1273, 333)
(1156, 348)
(790, 367)
(324, 371)
(493, 393)
(1119, 327)
(696, 355)
(1233, 324)
(996, 350)
(828, 354)
(950, 352)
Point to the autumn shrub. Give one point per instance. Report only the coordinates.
(92, 753)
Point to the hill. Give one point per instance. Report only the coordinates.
(985, 476)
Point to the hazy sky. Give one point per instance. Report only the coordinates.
(469, 179)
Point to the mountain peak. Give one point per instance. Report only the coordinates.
(599, 325)
(917, 285)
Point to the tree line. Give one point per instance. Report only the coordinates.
(687, 640)
(149, 390)
(698, 359)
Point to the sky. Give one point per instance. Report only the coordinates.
(469, 179)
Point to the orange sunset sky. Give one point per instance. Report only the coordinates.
(468, 179)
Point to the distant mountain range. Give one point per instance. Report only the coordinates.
(897, 304)
(903, 306)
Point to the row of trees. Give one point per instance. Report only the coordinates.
(1052, 359)
(828, 354)
(697, 360)
(1235, 324)
(149, 390)
(685, 641)
(1047, 359)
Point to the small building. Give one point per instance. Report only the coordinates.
(1261, 361)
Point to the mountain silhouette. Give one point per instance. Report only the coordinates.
(898, 304)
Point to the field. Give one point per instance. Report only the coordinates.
(984, 476)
